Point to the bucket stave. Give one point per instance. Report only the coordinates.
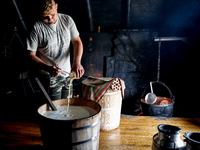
(74, 134)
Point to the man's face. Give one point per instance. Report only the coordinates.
(51, 17)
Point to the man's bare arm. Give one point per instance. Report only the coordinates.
(78, 52)
(53, 70)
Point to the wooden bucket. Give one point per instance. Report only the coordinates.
(110, 110)
(71, 134)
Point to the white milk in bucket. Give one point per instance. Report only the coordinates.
(69, 112)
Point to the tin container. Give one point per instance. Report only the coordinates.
(192, 140)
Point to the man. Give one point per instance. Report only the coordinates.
(49, 48)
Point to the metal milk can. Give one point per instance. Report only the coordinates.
(168, 138)
(192, 140)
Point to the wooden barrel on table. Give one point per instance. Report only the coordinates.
(111, 110)
(71, 134)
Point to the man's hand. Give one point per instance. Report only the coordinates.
(78, 68)
(55, 71)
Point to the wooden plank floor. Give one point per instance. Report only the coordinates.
(20, 136)
(133, 133)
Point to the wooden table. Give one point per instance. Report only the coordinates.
(134, 132)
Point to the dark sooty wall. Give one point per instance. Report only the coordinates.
(136, 23)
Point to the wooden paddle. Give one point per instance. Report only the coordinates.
(47, 96)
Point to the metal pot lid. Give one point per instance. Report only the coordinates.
(169, 129)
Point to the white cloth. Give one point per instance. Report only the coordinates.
(52, 42)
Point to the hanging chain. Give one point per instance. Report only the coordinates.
(158, 71)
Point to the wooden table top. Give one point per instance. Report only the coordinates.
(134, 132)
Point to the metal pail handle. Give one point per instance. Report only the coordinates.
(163, 84)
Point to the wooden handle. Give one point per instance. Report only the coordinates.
(45, 93)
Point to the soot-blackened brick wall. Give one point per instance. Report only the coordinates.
(134, 61)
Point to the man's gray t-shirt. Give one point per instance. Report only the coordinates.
(52, 42)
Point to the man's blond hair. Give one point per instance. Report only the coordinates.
(46, 6)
